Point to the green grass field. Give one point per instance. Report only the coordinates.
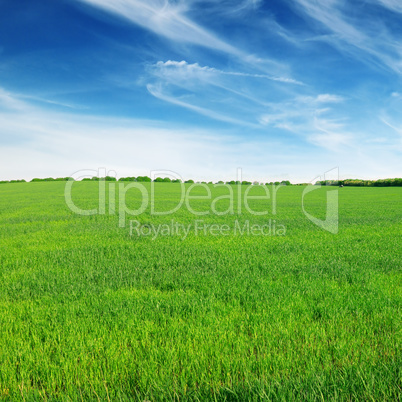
(88, 312)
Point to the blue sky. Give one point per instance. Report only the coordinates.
(284, 89)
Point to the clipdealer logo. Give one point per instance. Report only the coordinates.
(113, 198)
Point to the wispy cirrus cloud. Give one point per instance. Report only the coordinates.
(393, 126)
(192, 86)
(157, 91)
(350, 31)
(394, 5)
(311, 118)
(195, 70)
(171, 20)
(229, 7)
(11, 102)
(166, 19)
(17, 102)
(219, 94)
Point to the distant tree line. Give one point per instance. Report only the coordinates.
(347, 182)
(12, 181)
(157, 180)
(139, 178)
(52, 179)
(362, 183)
(96, 178)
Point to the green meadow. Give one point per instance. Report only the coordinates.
(90, 311)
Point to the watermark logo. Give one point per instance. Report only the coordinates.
(330, 223)
(228, 202)
(134, 198)
(202, 228)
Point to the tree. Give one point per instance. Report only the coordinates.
(144, 179)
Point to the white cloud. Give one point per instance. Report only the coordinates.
(35, 142)
(331, 141)
(304, 117)
(321, 98)
(329, 98)
(330, 134)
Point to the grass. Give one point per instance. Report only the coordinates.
(88, 312)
